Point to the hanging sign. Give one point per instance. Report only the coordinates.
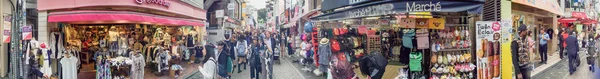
(422, 23)
(408, 23)
(220, 13)
(387, 7)
(6, 35)
(437, 23)
(487, 48)
(27, 35)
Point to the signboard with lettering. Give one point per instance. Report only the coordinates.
(6, 36)
(387, 7)
(220, 13)
(27, 35)
(487, 40)
(165, 3)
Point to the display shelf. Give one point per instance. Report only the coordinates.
(451, 50)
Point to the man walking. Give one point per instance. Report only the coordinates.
(544, 37)
(572, 49)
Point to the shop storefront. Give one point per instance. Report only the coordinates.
(114, 37)
(434, 39)
(536, 16)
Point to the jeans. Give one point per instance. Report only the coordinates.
(561, 53)
(254, 71)
(544, 52)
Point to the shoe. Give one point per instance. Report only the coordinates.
(239, 71)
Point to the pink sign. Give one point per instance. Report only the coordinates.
(496, 26)
(159, 2)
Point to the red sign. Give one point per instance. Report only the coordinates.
(159, 2)
(579, 15)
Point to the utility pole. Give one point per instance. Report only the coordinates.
(15, 44)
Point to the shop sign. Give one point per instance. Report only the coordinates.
(415, 7)
(408, 23)
(27, 35)
(6, 36)
(489, 61)
(437, 23)
(220, 13)
(388, 7)
(158, 2)
(422, 23)
(230, 6)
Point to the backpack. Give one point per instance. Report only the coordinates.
(308, 27)
(241, 48)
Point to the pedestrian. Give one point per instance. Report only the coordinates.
(290, 46)
(518, 46)
(222, 60)
(241, 52)
(544, 37)
(572, 49)
(255, 63)
(561, 40)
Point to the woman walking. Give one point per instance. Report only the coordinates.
(255, 64)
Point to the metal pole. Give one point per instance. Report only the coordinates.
(15, 50)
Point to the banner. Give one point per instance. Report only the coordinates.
(27, 35)
(6, 36)
(387, 7)
(408, 23)
(488, 49)
(422, 23)
(437, 23)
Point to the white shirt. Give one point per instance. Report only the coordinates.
(46, 66)
(69, 67)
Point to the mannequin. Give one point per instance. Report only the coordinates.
(68, 64)
(46, 60)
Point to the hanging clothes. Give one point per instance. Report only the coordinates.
(69, 67)
(137, 67)
(56, 43)
(45, 60)
(422, 39)
(103, 70)
(407, 38)
(324, 55)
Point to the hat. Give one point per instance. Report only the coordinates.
(522, 28)
(324, 41)
(43, 45)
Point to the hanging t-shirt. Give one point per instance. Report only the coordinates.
(137, 67)
(407, 38)
(69, 67)
(422, 39)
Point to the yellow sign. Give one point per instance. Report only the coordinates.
(437, 23)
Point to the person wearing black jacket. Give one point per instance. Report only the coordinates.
(255, 63)
(516, 47)
(560, 43)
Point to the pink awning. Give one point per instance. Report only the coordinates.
(100, 18)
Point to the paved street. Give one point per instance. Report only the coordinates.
(285, 70)
(560, 71)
